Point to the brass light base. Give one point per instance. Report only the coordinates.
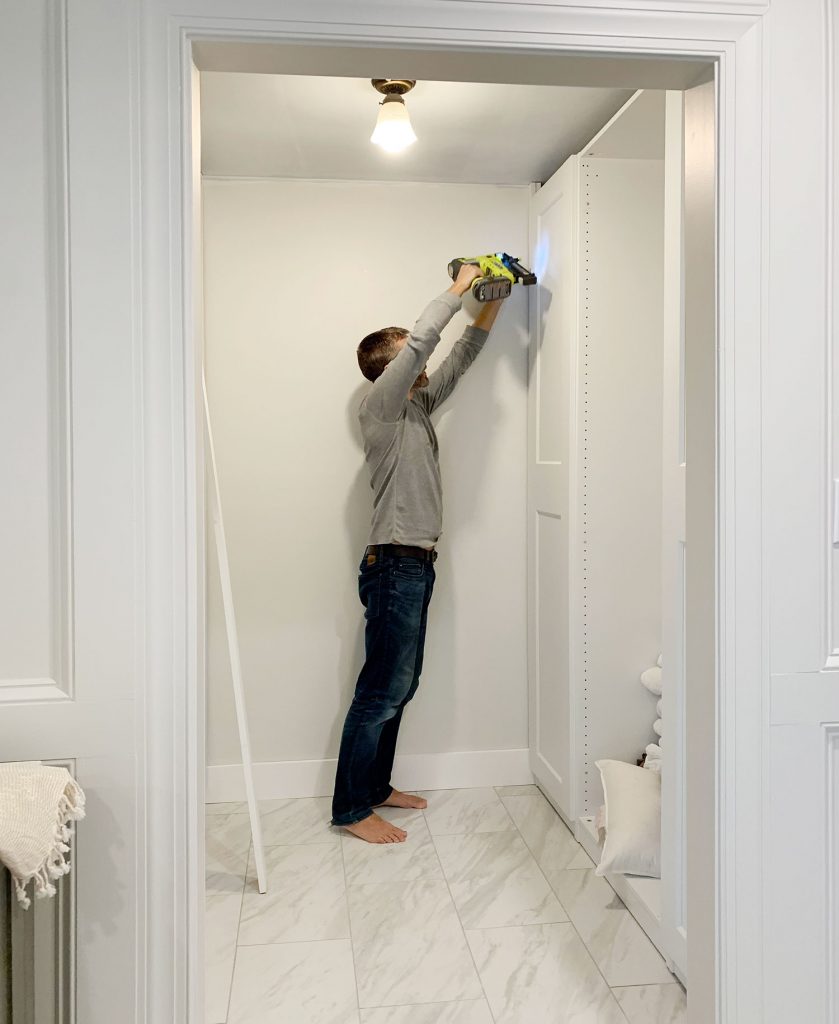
(393, 86)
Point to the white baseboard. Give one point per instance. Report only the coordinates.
(460, 770)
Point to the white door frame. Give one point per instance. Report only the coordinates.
(731, 33)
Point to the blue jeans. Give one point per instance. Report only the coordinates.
(395, 592)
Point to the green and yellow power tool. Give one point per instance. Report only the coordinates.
(499, 272)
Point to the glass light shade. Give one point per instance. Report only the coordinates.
(393, 130)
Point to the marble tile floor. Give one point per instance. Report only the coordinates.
(490, 913)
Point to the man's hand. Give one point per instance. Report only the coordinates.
(465, 276)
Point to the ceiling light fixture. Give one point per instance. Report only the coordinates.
(393, 131)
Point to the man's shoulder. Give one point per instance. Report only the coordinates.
(368, 418)
(375, 433)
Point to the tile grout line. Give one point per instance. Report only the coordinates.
(460, 919)
(436, 1002)
(239, 946)
(624, 907)
(290, 942)
(238, 928)
(349, 927)
(565, 909)
(516, 830)
(540, 795)
(652, 984)
(477, 928)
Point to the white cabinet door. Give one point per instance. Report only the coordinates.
(70, 520)
(553, 234)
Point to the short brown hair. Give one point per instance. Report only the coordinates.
(377, 350)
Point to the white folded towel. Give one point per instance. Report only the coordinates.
(658, 709)
(651, 678)
(37, 804)
(657, 727)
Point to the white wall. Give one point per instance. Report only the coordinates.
(296, 274)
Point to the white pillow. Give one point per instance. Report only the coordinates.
(651, 678)
(633, 820)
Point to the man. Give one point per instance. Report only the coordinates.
(397, 575)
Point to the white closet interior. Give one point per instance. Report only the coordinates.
(601, 510)
(606, 485)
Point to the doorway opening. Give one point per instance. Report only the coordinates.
(563, 457)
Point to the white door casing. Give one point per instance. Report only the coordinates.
(551, 373)
(730, 35)
(133, 716)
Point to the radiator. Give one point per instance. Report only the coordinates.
(37, 954)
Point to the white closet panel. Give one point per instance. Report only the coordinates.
(618, 483)
(673, 551)
(553, 231)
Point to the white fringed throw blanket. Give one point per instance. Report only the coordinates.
(37, 804)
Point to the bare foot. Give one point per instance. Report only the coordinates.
(374, 829)
(397, 799)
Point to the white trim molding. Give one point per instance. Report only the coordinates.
(277, 780)
(831, 287)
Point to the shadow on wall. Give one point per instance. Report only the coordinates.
(512, 320)
(466, 425)
(349, 621)
(107, 831)
(545, 299)
(465, 428)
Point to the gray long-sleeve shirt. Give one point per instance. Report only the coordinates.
(400, 444)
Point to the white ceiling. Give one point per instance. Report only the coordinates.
(298, 126)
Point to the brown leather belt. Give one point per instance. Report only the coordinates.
(402, 551)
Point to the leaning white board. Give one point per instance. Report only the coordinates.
(235, 660)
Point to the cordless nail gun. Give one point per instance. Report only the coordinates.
(499, 272)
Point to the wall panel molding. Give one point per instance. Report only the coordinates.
(802, 697)
(832, 861)
(57, 684)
